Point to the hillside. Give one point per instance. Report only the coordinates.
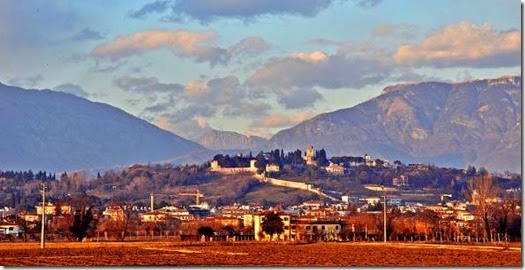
(55, 131)
(448, 124)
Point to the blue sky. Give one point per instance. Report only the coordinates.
(254, 67)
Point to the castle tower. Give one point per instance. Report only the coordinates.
(309, 156)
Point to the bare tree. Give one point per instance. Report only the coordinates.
(482, 191)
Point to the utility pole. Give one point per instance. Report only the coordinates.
(151, 201)
(384, 214)
(42, 234)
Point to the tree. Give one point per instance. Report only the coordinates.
(481, 191)
(206, 231)
(83, 221)
(273, 224)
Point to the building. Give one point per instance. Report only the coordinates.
(401, 181)
(115, 213)
(32, 217)
(287, 235)
(312, 205)
(53, 209)
(369, 161)
(335, 169)
(153, 217)
(216, 167)
(272, 168)
(10, 229)
(320, 230)
(309, 156)
(178, 213)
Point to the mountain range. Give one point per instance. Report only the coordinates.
(56, 131)
(448, 124)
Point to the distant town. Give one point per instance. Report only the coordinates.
(272, 196)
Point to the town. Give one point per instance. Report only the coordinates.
(378, 200)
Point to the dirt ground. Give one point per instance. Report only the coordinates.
(255, 254)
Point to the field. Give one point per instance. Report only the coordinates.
(255, 254)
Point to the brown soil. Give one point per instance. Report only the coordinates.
(254, 254)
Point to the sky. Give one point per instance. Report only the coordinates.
(250, 66)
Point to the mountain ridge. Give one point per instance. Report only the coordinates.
(451, 124)
(56, 131)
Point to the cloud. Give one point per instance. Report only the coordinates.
(153, 7)
(367, 3)
(249, 47)
(87, 34)
(147, 85)
(225, 95)
(314, 57)
(319, 69)
(30, 81)
(402, 30)
(206, 11)
(278, 120)
(70, 88)
(463, 45)
(197, 100)
(191, 128)
(298, 98)
(181, 43)
(194, 45)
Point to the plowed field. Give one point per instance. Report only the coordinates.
(255, 253)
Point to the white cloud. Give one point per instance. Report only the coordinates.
(182, 43)
(318, 69)
(463, 44)
(314, 57)
(401, 30)
(194, 45)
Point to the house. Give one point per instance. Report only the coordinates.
(287, 235)
(115, 213)
(401, 181)
(178, 213)
(369, 161)
(464, 215)
(272, 168)
(320, 230)
(32, 217)
(53, 209)
(10, 229)
(312, 205)
(226, 221)
(335, 169)
(155, 216)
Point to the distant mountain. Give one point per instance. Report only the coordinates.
(55, 131)
(448, 124)
(219, 140)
